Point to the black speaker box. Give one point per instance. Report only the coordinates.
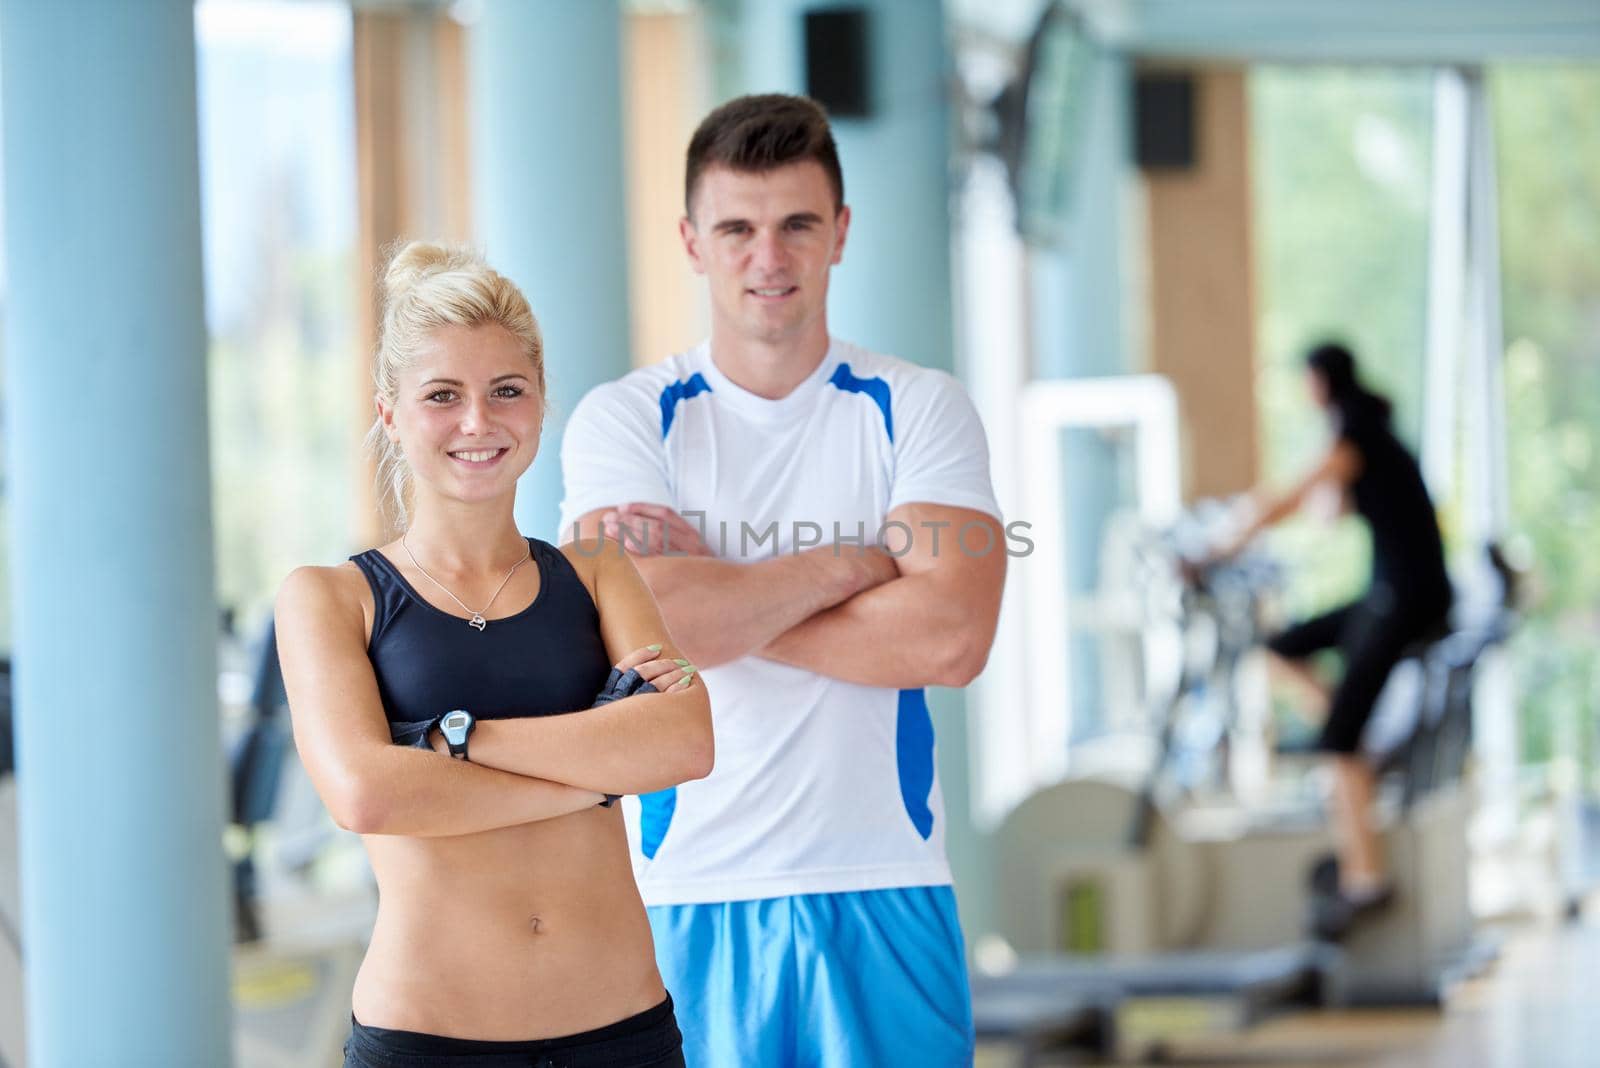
(1164, 120)
(838, 74)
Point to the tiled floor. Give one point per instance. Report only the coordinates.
(1538, 1007)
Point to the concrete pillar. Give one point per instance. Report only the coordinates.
(892, 292)
(125, 923)
(546, 96)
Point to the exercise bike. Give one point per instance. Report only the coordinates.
(1103, 890)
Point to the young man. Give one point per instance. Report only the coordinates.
(818, 526)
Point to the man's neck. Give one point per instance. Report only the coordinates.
(770, 370)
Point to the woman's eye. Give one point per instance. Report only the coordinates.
(441, 396)
(508, 391)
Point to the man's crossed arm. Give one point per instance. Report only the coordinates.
(923, 616)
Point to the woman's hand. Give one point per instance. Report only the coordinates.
(1193, 572)
(643, 671)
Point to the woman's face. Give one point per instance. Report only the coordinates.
(1317, 386)
(467, 413)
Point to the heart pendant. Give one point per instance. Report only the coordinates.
(477, 622)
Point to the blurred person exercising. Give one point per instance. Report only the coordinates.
(1408, 600)
(800, 894)
(509, 927)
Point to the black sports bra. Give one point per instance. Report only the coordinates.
(546, 659)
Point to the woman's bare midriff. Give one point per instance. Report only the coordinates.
(526, 932)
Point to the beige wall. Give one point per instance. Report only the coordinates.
(665, 94)
(1201, 290)
(412, 164)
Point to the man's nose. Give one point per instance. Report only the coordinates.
(769, 253)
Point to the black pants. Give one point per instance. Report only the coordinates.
(1372, 635)
(648, 1040)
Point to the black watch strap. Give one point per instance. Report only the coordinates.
(452, 724)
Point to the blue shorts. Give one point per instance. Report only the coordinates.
(855, 980)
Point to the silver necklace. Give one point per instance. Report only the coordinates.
(477, 622)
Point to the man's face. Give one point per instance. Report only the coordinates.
(765, 242)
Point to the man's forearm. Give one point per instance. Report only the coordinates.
(719, 611)
(903, 634)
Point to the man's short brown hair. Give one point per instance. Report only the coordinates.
(763, 133)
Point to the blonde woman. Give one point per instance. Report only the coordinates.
(509, 929)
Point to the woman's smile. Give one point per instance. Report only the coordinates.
(478, 459)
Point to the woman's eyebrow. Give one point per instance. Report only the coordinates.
(458, 382)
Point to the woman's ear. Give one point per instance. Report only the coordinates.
(385, 412)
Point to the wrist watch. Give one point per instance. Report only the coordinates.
(456, 728)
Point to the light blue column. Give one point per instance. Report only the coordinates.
(124, 918)
(892, 292)
(549, 201)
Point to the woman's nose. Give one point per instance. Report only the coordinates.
(475, 417)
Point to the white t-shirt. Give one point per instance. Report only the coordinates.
(820, 785)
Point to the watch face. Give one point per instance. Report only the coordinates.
(455, 721)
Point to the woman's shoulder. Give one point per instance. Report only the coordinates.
(592, 558)
(315, 590)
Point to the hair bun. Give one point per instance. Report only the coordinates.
(414, 261)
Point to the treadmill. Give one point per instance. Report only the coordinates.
(1131, 1007)
(1037, 1018)
(1136, 1004)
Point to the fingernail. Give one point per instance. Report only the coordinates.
(680, 663)
(656, 648)
(683, 682)
(689, 670)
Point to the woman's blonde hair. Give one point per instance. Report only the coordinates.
(427, 286)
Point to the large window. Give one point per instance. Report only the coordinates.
(1547, 132)
(1342, 185)
(1341, 172)
(278, 185)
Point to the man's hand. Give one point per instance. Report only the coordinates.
(653, 530)
(725, 609)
